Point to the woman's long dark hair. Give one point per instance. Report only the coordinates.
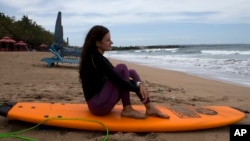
(95, 34)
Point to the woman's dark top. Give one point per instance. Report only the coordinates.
(96, 70)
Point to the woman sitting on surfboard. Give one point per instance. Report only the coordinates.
(104, 85)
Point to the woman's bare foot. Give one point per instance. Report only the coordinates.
(151, 110)
(128, 111)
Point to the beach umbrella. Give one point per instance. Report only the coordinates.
(7, 40)
(43, 45)
(20, 46)
(58, 35)
(21, 43)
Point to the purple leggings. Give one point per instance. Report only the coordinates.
(110, 94)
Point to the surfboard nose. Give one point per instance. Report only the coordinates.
(5, 108)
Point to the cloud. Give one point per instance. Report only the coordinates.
(139, 11)
(79, 15)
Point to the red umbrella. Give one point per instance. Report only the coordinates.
(20, 46)
(7, 39)
(43, 45)
(20, 43)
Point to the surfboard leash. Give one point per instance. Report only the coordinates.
(24, 138)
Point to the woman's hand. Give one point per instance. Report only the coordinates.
(144, 92)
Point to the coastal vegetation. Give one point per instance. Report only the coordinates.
(24, 29)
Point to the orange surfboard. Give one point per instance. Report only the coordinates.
(68, 115)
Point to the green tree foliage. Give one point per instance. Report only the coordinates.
(24, 29)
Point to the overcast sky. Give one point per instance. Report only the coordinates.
(142, 22)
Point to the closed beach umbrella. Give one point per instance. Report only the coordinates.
(58, 35)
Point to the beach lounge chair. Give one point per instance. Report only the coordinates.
(60, 58)
(61, 54)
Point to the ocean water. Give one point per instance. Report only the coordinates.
(227, 63)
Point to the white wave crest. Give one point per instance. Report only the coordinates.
(225, 52)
